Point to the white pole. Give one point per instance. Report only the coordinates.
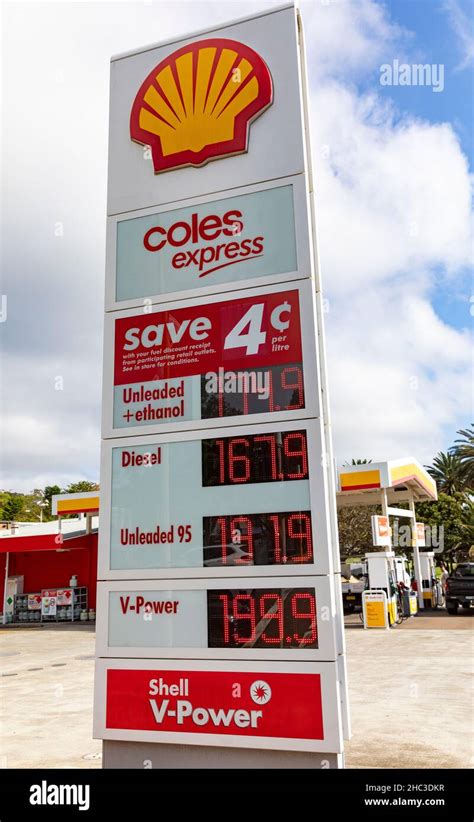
(416, 553)
(5, 590)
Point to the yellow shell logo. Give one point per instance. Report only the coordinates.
(198, 103)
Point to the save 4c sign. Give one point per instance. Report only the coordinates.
(218, 588)
(211, 361)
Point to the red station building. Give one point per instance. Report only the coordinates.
(43, 557)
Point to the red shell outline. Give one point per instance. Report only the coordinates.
(238, 145)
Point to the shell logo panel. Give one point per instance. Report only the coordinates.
(198, 103)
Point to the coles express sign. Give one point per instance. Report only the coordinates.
(211, 244)
(216, 359)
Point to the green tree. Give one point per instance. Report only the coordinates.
(82, 485)
(12, 507)
(464, 451)
(355, 529)
(32, 512)
(466, 540)
(447, 473)
(48, 493)
(358, 462)
(451, 525)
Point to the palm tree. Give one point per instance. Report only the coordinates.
(465, 545)
(447, 473)
(464, 450)
(357, 462)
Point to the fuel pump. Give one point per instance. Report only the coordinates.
(432, 594)
(382, 576)
(407, 598)
(401, 573)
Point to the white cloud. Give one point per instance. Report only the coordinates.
(398, 375)
(396, 192)
(349, 37)
(393, 209)
(460, 19)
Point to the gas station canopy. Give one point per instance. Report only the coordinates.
(401, 479)
(84, 502)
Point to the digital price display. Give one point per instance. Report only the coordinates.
(272, 457)
(239, 502)
(258, 539)
(281, 618)
(204, 619)
(230, 356)
(281, 389)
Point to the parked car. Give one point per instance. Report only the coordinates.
(460, 587)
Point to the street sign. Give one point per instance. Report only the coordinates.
(420, 534)
(201, 363)
(245, 237)
(381, 531)
(286, 618)
(240, 503)
(264, 705)
(375, 609)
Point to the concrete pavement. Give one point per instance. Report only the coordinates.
(410, 692)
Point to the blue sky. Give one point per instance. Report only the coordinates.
(436, 41)
(431, 36)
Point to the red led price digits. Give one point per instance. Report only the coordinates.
(264, 458)
(292, 452)
(283, 387)
(303, 535)
(238, 537)
(275, 612)
(271, 440)
(224, 598)
(284, 618)
(293, 385)
(307, 603)
(260, 539)
(238, 464)
(243, 611)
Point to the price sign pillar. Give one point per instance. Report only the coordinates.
(219, 620)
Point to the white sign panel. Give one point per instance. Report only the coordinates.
(238, 503)
(205, 113)
(244, 238)
(284, 618)
(250, 705)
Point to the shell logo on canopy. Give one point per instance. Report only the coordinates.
(198, 103)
